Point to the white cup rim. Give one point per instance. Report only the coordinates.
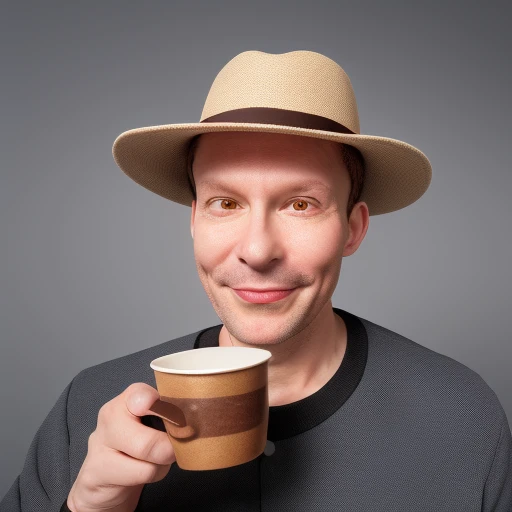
(249, 357)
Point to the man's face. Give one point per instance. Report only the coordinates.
(257, 223)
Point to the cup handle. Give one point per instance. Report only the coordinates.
(175, 417)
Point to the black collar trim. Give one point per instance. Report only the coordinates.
(297, 417)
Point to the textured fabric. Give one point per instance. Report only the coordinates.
(418, 432)
(292, 419)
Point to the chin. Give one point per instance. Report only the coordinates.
(264, 324)
(259, 329)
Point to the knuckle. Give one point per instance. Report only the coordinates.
(88, 481)
(79, 502)
(142, 448)
(91, 441)
(104, 412)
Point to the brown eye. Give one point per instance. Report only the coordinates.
(231, 205)
(302, 205)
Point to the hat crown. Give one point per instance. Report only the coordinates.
(299, 81)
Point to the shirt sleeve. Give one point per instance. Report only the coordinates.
(44, 481)
(498, 486)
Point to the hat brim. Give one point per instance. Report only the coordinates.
(396, 173)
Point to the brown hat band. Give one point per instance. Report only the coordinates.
(212, 417)
(264, 115)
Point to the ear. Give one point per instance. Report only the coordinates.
(358, 226)
(193, 214)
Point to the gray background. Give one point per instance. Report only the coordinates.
(94, 267)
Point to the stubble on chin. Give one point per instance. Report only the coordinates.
(275, 330)
(231, 314)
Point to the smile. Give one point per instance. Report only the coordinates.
(263, 297)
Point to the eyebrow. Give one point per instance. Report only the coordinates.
(303, 186)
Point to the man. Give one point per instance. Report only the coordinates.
(360, 417)
(276, 233)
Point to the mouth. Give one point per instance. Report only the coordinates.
(263, 296)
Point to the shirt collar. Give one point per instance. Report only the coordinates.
(297, 417)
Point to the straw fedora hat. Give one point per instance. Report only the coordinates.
(299, 92)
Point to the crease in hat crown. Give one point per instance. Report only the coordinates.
(301, 81)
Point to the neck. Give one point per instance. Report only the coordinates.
(304, 363)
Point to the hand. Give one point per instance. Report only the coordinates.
(123, 455)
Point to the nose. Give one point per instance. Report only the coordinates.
(261, 240)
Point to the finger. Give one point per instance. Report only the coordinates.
(111, 467)
(126, 434)
(122, 429)
(143, 443)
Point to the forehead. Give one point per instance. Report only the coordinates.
(297, 185)
(242, 159)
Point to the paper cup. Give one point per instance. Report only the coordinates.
(214, 404)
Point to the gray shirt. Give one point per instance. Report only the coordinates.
(399, 427)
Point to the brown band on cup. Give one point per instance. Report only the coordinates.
(219, 416)
(264, 115)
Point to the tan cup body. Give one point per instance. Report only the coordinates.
(221, 419)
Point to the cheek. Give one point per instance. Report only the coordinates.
(317, 246)
(212, 245)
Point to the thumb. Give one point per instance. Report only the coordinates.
(139, 398)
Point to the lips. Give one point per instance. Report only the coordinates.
(263, 296)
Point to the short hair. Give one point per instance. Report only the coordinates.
(351, 157)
